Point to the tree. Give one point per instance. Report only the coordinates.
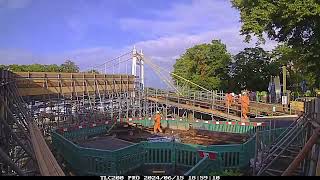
(93, 71)
(295, 22)
(69, 67)
(289, 57)
(3, 67)
(17, 68)
(205, 65)
(34, 68)
(52, 68)
(252, 69)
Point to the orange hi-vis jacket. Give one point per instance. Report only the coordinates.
(229, 99)
(157, 119)
(157, 124)
(244, 100)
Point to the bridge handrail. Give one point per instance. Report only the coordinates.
(193, 95)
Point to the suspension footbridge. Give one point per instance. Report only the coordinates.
(36, 104)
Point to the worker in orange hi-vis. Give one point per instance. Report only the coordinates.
(157, 123)
(244, 100)
(229, 101)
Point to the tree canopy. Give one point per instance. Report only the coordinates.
(68, 66)
(252, 69)
(93, 71)
(205, 65)
(295, 22)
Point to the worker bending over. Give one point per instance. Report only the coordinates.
(157, 123)
(244, 100)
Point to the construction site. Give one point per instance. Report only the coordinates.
(65, 124)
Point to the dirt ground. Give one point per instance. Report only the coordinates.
(192, 136)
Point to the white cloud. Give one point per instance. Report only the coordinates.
(184, 25)
(196, 17)
(14, 4)
(167, 35)
(163, 51)
(167, 49)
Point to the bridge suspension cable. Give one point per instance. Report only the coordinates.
(161, 76)
(148, 61)
(113, 65)
(108, 61)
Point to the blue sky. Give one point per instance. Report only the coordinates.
(92, 31)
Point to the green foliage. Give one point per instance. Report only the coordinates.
(296, 72)
(2, 67)
(295, 22)
(226, 173)
(52, 68)
(68, 66)
(93, 71)
(252, 69)
(204, 64)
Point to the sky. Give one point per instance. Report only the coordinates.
(90, 32)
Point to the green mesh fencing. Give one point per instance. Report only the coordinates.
(89, 161)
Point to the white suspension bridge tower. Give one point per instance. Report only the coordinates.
(138, 59)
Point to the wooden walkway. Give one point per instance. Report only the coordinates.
(196, 108)
(218, 109)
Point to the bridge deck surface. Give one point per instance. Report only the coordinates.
(218, 109)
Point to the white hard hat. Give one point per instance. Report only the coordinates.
(232, 94)
(157, 112)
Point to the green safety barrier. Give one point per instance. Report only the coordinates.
(84, 132)
(184, 124)
(203, 167)
(89, 161)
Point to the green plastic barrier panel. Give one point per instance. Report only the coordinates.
(210, 161)
(217, 126)
(199, 168)
(83, 131)
(89, 161)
